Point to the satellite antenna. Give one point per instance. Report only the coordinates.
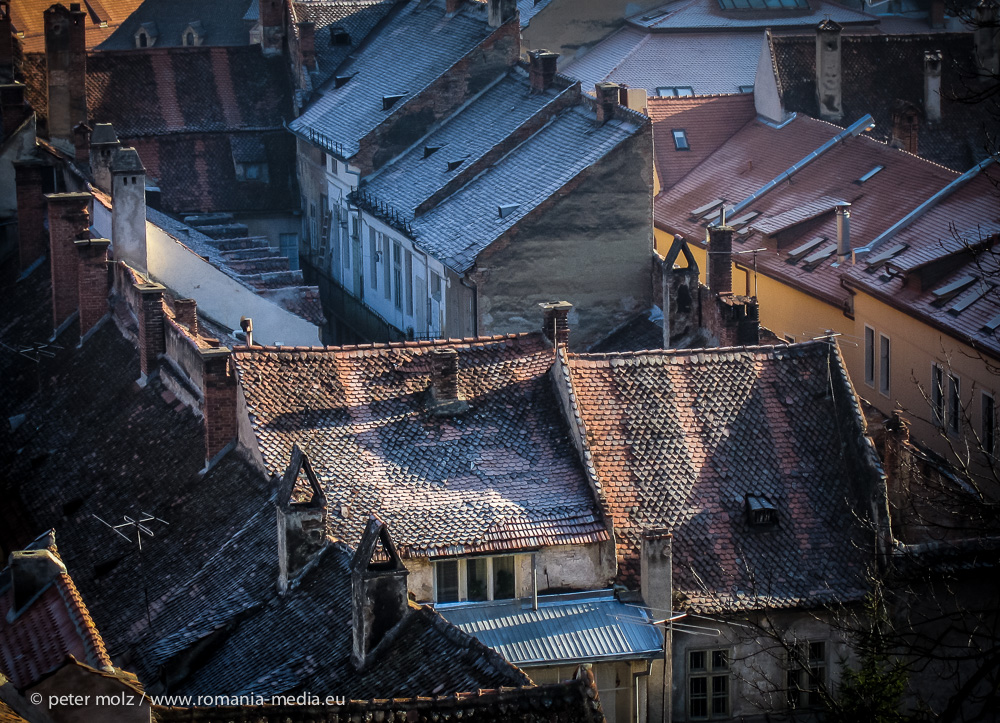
(141, 528)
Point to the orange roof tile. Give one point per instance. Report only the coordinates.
(103, 18)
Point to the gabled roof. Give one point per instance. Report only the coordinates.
(681, 438)
(221, 23)
(417, 44)
(36, 639)
(103, 17)
(711, 62)
(707, 122)
(503, 476)
(957, 140)
(688, 15)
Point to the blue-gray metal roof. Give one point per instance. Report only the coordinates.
(575, 627)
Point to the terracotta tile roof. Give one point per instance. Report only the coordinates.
(502, 476)
(52, 626)
(27, 17)
(957, 141)
(708, 122)
(802, 210)
(679, 438)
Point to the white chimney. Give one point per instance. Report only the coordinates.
(843, 232)
(932, 86)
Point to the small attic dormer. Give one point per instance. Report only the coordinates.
(301, 508)
(145, 36)
(193, 35)
(378, 584)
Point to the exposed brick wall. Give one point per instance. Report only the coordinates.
(151, 333)
(33, 241)
(92, 256)
(219, 406)
(69, 220)
(455, 86)
(186, 313)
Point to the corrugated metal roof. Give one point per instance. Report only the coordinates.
(565, 628)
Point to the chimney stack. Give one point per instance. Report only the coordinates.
(186, 314)
(301, 524)
(555, 325)
(988, 37)
(30, 177)
(31, 571)
(720, 259)
(128, 211)
(103, 144)
(271, 15)
(607, 100)
(66, 69)
(905, 126)
(218, 403)
(92, 255)
(932, 86)
(445, 399)
(246, 324)
(378, 586)
(69, 221)
(501, 12)
(843, 232)
(152, 340)
(307, 44)
(541, 69)
(828, 71)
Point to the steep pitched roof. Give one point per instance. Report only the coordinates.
(36, 639)
(103, 17)
(416, 45)
(681, 438)
(502, 476)
(714, 62)
(957, 141)
(220, 23)
(707, 122)
(747, 15)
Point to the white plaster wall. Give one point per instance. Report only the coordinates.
(571, 566)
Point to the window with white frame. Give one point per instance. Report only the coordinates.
(475, 579)
(937, 395)
(869, 356)
(708, 684)
(954, 404)
(884, 364)
(806, 674)
(988, 423)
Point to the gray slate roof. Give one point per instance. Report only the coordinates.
(527, 9)
(587, 626)
(709, 63)
(706, 14)
(222, 23)
(415, 47)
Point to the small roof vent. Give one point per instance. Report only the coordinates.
(452, 165)
(341, 80)
(339, 35)
(388, 101)
(431, 150)
(507, 209)
(761, 512)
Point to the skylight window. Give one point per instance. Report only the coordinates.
(675, 91)
(681, 140)
(711, 205)
(870, 173)
(874, 264)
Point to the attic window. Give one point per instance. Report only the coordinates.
(761, 512)
(145, 36)
(452, 165)
(681, 140)
(675, 91)
(388, 101)
(339, 36)
(507, 209)
(431, 150)
(746, 89)
(870, 174)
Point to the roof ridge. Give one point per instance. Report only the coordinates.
(770, 349)
(416, 344)
(90, 636)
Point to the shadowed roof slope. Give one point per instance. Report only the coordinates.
(221, 23)
(679, 439)
(501, 476)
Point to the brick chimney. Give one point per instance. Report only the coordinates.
(32, 235)
(272, 26)
(186, 314)
(128, 212)
(307, 44)
(932, 86)
(608, 95)
(92, 272)
(541, 69)
(81, 142)
(31, 571)
(103, 144)
(152, 342)
(69, 220)
(66, 69)
(555, 324)
(13, 110)
(987, 36)
(445, 400)
(301, 524)
(828, 71)
(720, 259)
(905, 126)
(378, 586)
(501, 12)
(218, 403)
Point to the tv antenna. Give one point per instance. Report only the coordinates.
(141, 528)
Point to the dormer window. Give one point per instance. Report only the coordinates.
(145, 36)
(193, 35)
(761, 512)
(339, 35)
(249, 158)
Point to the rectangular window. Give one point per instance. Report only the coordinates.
(397, 275)
(477, 579)
(681, 140)
(289, 244)
(937, 395)
(503, 578)
(347, 241)
(869, 356)
(954, 404)
(708, 684)
(409, 282)
(806, 674)
(373, 264)
(435, 286)
(884, 364)
(386, 266)
(446, 574)
(988, 435)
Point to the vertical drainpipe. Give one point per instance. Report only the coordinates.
(475, 304)
(534, 580)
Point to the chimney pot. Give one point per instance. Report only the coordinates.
(555, 326)
(932, 86)
(128, 210)
(246, 324)
(66, 72)
(501, 12)
(378, 586)
(31, 571)
(843, 232)
(301, 524)
(186, 313)
(608, 95)
(541, 69)
(828, 71)
(307, 44)
(445, 398)
(218, 392)
(720, 259)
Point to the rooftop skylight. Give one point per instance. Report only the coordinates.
(870, 173)
(681, 140)
(764, 4)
